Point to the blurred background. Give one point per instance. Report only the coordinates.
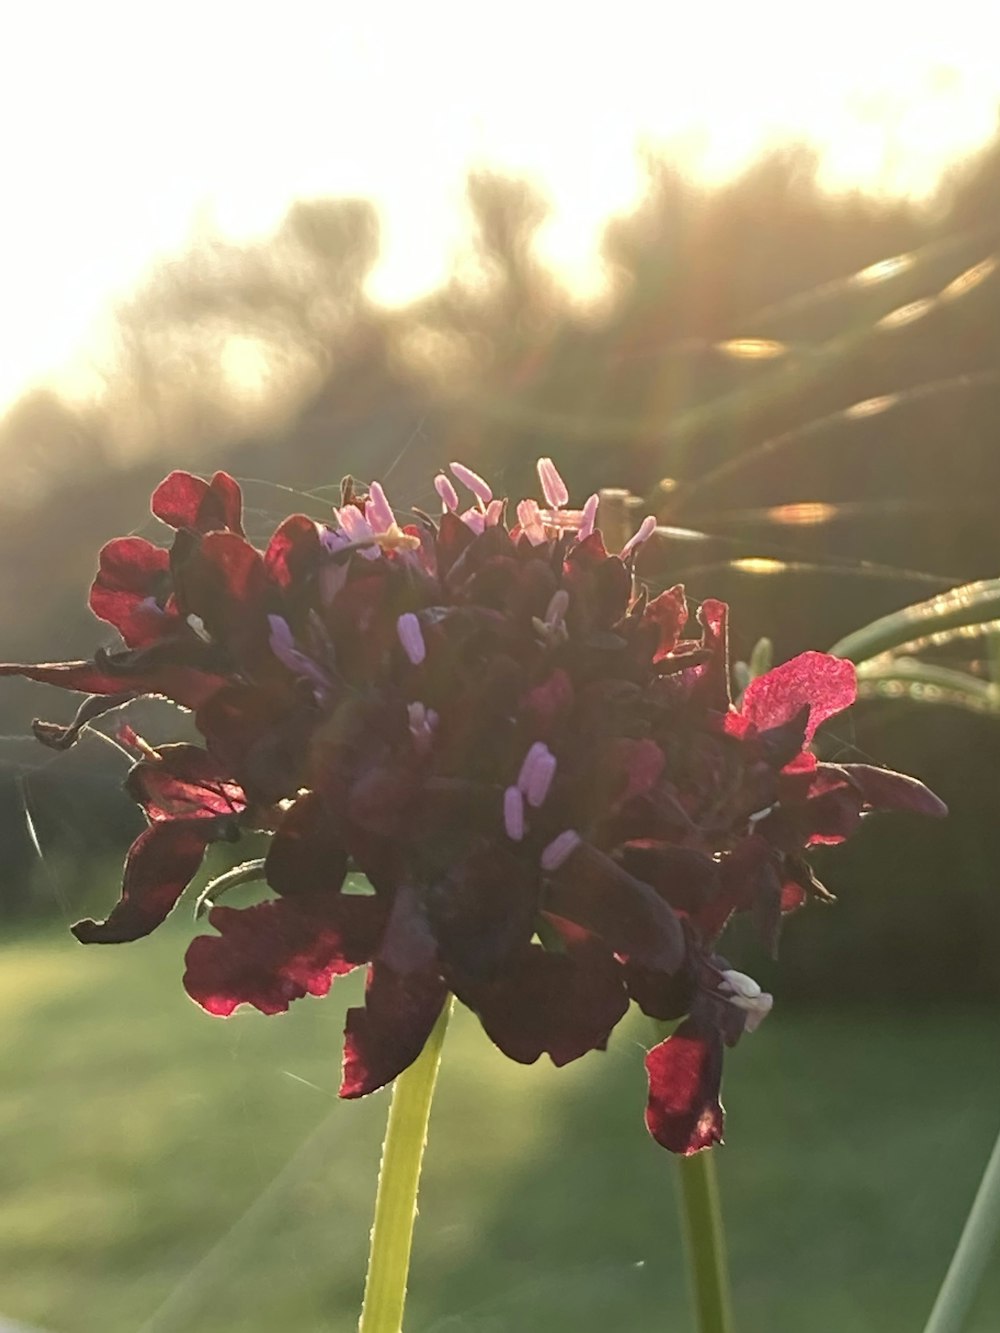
(745, 263)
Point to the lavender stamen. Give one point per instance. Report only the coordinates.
(560, 849)
(411, 637)
(479, 488)
(553, 486)
(646, 529)
(513, 814)
(588, 518)
(447, 492)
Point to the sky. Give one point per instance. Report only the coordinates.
(129, 126)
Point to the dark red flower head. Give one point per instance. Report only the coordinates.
(538, 770)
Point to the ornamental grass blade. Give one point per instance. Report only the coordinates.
(967, 605)
(919, 682)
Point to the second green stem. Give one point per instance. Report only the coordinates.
(398, 1182)
(704, 1240)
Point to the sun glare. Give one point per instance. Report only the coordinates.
(138, 123)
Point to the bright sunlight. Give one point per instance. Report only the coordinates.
(193, 117)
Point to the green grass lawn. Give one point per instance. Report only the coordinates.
(164, 1171)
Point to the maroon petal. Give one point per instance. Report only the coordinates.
(453, 540)
(278, 951)
(833, 811)
(885, 790)
(185, 686)
(559, 1004)
(130, 591)
(745, 874)
(160, 865)
(634, 921)
(81, 677)
(827, 685)
(482, 911)
(684, 878)
(222, 580)
(306, 855)
(793, 897)
(709, 681)
(385, 1036)
(669, 614)
(549, 703)
(184, 782)
(599, 586)
(684, 1113)
(184, 501)
(659, 995)
(294, 551)
(261, 733)
(640, 763)
(59, 737)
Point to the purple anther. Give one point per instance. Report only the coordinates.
(553, 486)
(474, 519)
(537, 772)
(494, 513)
(411, 637)
(447, 492)
(535, 752)
(558, 605)
(646, 529)
(541, 779)
(479, 488)
(560, 849)
(513, 814)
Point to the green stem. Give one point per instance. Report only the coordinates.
(704, 1240)
(398, 1182)
(978, 1241)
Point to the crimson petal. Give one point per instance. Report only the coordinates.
(160, 865)
(185, 501)
(184, 782)
(826, 684)
(684, 1113)
(133, 581)
(278, 951)
(385, 1036)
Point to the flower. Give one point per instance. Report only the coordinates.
(537, 768)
